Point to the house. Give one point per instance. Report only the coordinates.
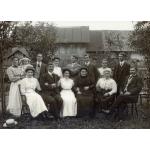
(72, 41)
(98, 43)
(20, 52)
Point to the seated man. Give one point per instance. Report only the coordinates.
(129, 94)
(106, 88)
(50, 91)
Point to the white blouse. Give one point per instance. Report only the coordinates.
(57, 71)
(28, 85)
(107, 84)
(14, 73)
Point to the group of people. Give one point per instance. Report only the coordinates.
(74, 90)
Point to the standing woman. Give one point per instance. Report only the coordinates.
(24, 62)
(14, 101)
(69, 101)
(84, 86)
(34, 100)
(104, 67)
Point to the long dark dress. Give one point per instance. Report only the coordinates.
(85, 100)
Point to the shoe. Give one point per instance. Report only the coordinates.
(106, 111)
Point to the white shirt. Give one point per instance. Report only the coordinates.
(87, 63)
(121, 63)
(101, 70)
(107, 84)
(57, 71)
(40, 63)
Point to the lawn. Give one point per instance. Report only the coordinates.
(99, 122)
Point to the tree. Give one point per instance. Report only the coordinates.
(114, 41)
(40, 37)
(140, 41)
(6, 42)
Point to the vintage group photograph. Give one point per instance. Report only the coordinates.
(74, 75)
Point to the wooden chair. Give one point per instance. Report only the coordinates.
(108, 103)
(133, 108)
(144, 94)
(25, 107)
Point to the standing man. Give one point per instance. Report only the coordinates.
(50, 91)
(121, 71)
(57, 68)
(40, 67)
(94, 74)
(93, 71)
(74, 67)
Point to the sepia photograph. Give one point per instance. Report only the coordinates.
(74, 74)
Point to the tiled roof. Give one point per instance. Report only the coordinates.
(21, 49)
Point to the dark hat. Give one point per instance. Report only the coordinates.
(50, 63)
(66, 69)
(76, 57)
(56, 58)
(84, 68)
(29, 67)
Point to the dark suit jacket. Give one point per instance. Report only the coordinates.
(135, 85)
(46, 78)
(74, 69)
(93, 72)
(43, 70)
(120, 73)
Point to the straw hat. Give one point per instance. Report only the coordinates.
(10, 123)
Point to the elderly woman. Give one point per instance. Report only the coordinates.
(104, 67)
(106, 88)
(24, 62)
(84, 86)
(34, 100)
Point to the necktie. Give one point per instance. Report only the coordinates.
(38, 65)
(128, 82)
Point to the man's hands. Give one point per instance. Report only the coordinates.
(127, 93)
(86, 88)
(52, 85)
(46, 84)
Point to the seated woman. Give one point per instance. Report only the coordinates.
(85, 93)
(104, 67)
(106, 88)
(34, 100)
(69, 107)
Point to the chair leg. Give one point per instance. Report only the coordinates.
(132, 107)
(127, 110)
(135, 105)
(140, 99)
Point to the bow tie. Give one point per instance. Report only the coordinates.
(15, 66)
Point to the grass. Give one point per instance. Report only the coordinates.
(99, 122)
